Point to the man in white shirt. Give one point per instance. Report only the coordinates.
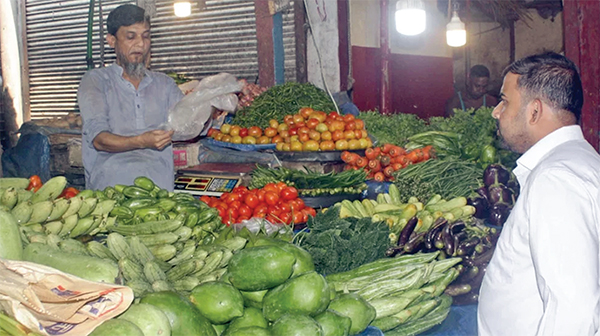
(544, 276)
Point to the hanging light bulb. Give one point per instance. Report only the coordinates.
(182, 8)
(410, 17)
(456, 34)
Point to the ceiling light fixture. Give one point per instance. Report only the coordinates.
(410, 17)
(456, 34)
(182, 8)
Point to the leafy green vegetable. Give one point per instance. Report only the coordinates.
(449, 177)
(306, 180)
(338, 245)
(395, 128)
(281, 100)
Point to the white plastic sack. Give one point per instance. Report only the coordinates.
(51, 302)
(189, 116)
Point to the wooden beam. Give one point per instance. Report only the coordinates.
(264, 35)
(582, 45)
(300, 36)
(343, 49)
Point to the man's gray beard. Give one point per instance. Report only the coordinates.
(133, 70)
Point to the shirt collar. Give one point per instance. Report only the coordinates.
(119, 72)
(534, 155)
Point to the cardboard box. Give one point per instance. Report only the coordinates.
(185, 155)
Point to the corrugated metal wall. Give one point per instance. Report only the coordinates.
(56, 48)
(220, 38)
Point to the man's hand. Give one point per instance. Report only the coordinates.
(112, 143)
(156, 139)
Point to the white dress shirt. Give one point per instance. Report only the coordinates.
(544, 276)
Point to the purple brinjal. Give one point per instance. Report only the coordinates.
(499, 193)
(495, 174)
(499, 214)
(481, 206)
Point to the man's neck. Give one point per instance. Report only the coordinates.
(133, 80)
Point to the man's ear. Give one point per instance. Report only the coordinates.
(111, 40)
(535, 111)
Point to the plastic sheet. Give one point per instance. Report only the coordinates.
(241, 147)
(188, 117)
(374, 188)
(461, 321)
(213, 154)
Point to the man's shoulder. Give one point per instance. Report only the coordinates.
(161, 76)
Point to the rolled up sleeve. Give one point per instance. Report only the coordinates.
(93, 107)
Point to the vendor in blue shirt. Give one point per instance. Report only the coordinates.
(123, 107)
(475, 95)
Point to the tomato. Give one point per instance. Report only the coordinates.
(240, 190)
(34, 182)
(243, 132)
(312, 123)
(289, 193)
(242, 218)
(305, 112)
(67, 193)
(281, 186)
(270, 187)
(232, 214)
(273, 219)
(274, 210)
(359, 124)
(311, 211)
(251, 200)
(232, 198)
(260, 211)
(286, 217)
(286, 207)
(222, 212)
(235, 205)
(261, 195)
(219, 203)
(298, 217)
(255, 131)
(205, 199)
(300, 203)
(348, 117)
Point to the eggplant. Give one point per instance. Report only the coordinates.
(495, 174)
(431, 234)
(457, 227)
(465, 299)
(483, 192)
(407, 231)
(467, 246)
(394, 251)
(514, 186)
(481, 206)
(499, 193)
(499, 213)
(448, 239)
(415, 243)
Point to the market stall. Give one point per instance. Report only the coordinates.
(349, 227)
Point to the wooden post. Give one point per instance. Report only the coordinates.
(582, 46)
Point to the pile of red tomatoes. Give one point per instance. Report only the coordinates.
(276, 202)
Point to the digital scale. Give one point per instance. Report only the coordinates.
(212, 179)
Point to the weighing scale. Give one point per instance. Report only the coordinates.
(212, 179)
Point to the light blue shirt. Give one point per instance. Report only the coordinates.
(110, 103)
(544, 276)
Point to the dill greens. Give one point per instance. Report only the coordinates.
(341, 244)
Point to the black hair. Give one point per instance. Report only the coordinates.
(551, 77)
(125, 15)
(478, 71)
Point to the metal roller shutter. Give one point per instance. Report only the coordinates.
(221, 38)
(56, 50)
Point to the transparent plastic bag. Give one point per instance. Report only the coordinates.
(189, 116)
(256, 225)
